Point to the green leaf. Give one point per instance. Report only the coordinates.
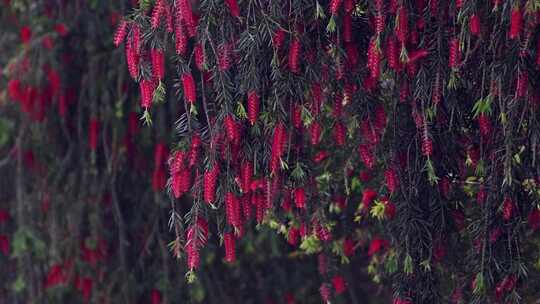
(19, 285)
(408, 265)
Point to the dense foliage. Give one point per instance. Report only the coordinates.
(270, 151)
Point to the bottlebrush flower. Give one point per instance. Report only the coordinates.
(188, 84)
(132, 58)
(199, 55)
(315, 132)
(454, 56)
(233, 8)
(403, 92)
(368, 196)
(347, 27)
(339, 284)
(379, 24)
(196, 143)
(181, 182)
(339, 134)
(417, 55)
(247, 175)
(183, 9)
(93, 133)
(392, 180)
(253, 106)
(534, 219)
(325, 292)
(374, 59)
(334, 6)
(232, 209)
(507, 209)
(278, 38)
(231, 128)
(427, 144)
(158, 63)
(300, 198)
(474, 25)
(4, 216)
(147, 91)
(61, 29)
(15, 90)
(389, 209)
(25, 34)
(392, 53)
(193, 254)
(516, 20)
(367, 156)
(157, 13)
(180, 38)
(293, 236)
(322, 264)
(522, 83)
(209, 184)
(348, 247)
(278, 147)
(294, 53)
(485, 125)
(4, 245)
(320, 156)
(230, 247)
(296, 116)
(376, 245)
(155, 297)
(402, 28)
(224, 57)
(158, 180)
(120, 33)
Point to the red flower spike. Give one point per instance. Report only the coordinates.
(157, 13)
(93, 133)
(120, 34)
(392, 53)
(247, 175)
(279, 38)
(147, 91)
(278, 147)
(367, 156)
(155, 297)
(377, 245)
(199, 55)
(180, 38)
(232, 209)
(233, 8)
(347, 27)
(507, 209)
(454, 56)
(516, 19)
(368, 196)
(348, 247)
(26, 34)
(402, 29)
(339, 134)
(232, 129)
(296, 116)
(230, 247)
(522, 84)
(325, 292)
(349, 5)
(188, 83)
(4, 245)
(253, 107)
(209, 184)
(294, 54)
(300, 198)
(534, 219)
(158, 63)
(474, 25)
(185, 12)
(392, 180)
(293, 236)
(132, 58)
(315, 132)
(379, 24)
(334, 6)
(374, 60)
(339, 284)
